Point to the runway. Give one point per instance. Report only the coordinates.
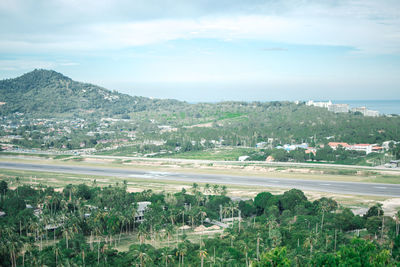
(354, 188)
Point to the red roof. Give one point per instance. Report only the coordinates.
(336, 144)
(361, 145)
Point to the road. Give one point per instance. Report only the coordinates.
(376, 189)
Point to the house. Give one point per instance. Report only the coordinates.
(142, 207)
(270, 159)
(2, 213)
(339, 108)
(367, 148)
(335, 145)
(377, 149)
(311, 150)
(366, 112)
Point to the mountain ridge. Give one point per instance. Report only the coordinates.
(49, 93)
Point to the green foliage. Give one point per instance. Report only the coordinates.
(87, 224)
(43, 93)
(291, 199)
(277, 257)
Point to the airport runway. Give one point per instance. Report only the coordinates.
(376, 189)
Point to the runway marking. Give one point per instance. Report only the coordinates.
(324, 184)
(380, 187)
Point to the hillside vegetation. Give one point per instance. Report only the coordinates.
(132, 125)
(46, 93)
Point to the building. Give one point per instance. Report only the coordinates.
(367, 148)
(371, 113)
(377, 149)
(319, 104)
(335, 145)
(142, 207)
(339, 108)
(386, 144)
(366, 112)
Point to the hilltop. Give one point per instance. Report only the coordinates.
(49, 93)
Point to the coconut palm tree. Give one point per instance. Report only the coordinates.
(68, 233)
(141, 255)
(166, 257)
(142, 233)
(203, 255)
(310, 242)
(169, 231)
(56, 250)
(181, 252)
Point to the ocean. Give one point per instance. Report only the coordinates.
(383, 106)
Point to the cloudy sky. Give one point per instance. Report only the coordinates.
(210, 50)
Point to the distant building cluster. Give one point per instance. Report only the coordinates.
(366, 112)
(343, 108)
(291, 147)
(367, 148)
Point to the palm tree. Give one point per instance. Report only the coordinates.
(244, 247)
(310, 242)
(181, 251)
(169, 231)
(231, 208)
(68, 233)
(141, 255)
(215, 189)
(203, 255)
(11, 244)
(142, 233)
(202, 214)
(397, 219)
(166, 256)
(271, 224)
(258, 246)
(207, 188)
(56, 253)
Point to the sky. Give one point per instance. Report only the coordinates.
(210, 50)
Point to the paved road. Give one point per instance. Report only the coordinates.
(313, 185)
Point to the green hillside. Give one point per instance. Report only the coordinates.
(141, 126)
(48, 93)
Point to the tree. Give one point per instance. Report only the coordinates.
(290, 199)
(261, 201)
(203, 255)
(3, 187)
(166, 257)
(276, 257)
(181, 252)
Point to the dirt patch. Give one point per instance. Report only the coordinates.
(391, 206)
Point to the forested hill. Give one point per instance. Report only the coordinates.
(44, 93)
(48, 93)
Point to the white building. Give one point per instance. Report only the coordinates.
(339, 108)
(366, 112)
(367, 148)
(142, 206)
(319, 104)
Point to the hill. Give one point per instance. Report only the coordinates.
(43, 93)
(144, 126)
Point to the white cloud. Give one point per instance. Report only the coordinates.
(367, 26)
(26, 64)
